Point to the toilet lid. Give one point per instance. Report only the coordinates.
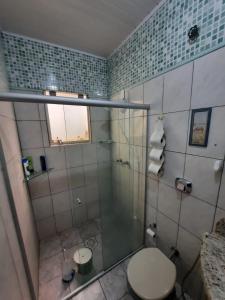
(151, 274)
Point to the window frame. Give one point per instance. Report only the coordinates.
(62, 143)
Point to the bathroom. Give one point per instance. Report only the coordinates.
(112, 161)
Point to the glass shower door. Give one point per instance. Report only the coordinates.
(122, 206)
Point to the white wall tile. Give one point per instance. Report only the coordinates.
(61, 202)
(151, 215)
(26, 111)
(76, 177)
(100, 131)
(46, 228)
(152, 192)
(137, 132)
(177, 89)
(39, 186)
(63, 221)
(92, 193)
(216, 141)
(91, 174)
(221, 200)
(196, 215)
(42, 207)
(176, 131)
(80, 215)
(55, 158)
(99, 113)
(104, 152)
(93, 210)
(74, 156)
(89, 154)
(125, 130)
(173, 167)
(135, 94)
(79, 193)
(153, 94)
(205, 183)
(30, 134)
(169, 201)
(45, 135)
(208, 80)
(166, 233)
(114, 126)
(58, 181)
(188, 246)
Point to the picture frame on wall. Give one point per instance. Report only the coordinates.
(199, 129)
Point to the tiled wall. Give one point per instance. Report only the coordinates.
(182, 219)
(161, 42)
(11, 263)
(35, 65)
(75, 174)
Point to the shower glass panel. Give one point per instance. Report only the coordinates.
(122, 186)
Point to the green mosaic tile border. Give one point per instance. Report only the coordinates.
(35, 65)
(161, 42)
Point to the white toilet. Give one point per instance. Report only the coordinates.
(151, 275)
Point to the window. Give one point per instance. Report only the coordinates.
(67, 124)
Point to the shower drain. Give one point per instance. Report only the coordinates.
(91, 243)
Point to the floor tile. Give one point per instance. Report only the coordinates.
(125, 264)
(127, 297)
(50, 268)
(50, 247)
(54, 289)
(89, 230)
(93, 292)
(70, 238)
(114, 283)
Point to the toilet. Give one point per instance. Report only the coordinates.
(151, 275)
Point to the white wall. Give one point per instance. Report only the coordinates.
(75, 174)
(182, 219)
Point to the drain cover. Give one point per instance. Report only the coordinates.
(91, 243)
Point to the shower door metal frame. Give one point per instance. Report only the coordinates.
(12, 206)
(34, 98)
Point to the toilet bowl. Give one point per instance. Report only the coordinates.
(151, 275)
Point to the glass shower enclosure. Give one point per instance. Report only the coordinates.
(119, 132)
(122, 198)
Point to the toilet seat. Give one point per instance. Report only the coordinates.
(151, 274)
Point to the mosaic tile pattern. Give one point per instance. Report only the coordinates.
(36, 65)
(161, 42)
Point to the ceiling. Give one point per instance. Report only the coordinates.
(95, 26)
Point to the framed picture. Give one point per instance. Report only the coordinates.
(200, 123)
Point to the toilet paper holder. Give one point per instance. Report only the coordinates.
(183, 185)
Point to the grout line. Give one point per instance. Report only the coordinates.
(185, 157)
(102, 288)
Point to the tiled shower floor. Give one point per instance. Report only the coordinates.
(54, 252)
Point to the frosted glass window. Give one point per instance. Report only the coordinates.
(68, 124)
